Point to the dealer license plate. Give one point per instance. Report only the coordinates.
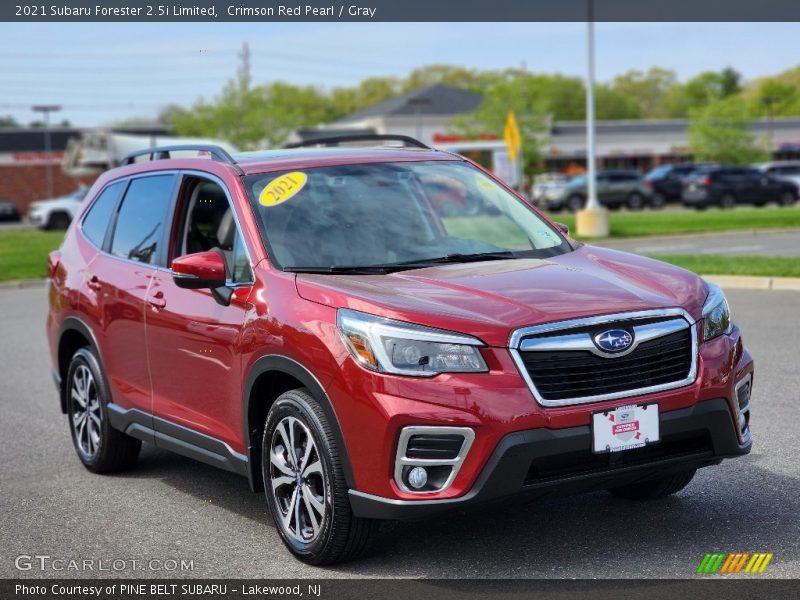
(625, 428)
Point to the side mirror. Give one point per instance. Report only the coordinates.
(562, 228)
(203, 270)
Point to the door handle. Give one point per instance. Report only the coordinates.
(157, 300)
(94, 283)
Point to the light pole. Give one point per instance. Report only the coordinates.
(46, 109)
(592, 221)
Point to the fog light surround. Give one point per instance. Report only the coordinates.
(429, 475)
(742, 392)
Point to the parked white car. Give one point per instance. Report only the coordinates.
(56, 213)
(783, 169)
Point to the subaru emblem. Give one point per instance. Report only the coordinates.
(613, 340)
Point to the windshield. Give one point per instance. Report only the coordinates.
(394, 215)
(658, 172)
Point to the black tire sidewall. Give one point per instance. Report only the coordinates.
(293, 404)
(574, 203)
(85, 357)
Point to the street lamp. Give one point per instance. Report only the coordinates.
(46, 109)
(592, 221)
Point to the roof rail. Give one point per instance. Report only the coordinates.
(366, 137)
(163, 152)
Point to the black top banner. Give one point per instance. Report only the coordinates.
(154, 11)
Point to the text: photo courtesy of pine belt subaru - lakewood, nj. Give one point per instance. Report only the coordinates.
(380, 332)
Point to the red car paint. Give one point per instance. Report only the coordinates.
(178, 355)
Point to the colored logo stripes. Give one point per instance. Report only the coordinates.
(740, 562)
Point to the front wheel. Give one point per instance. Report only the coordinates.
(305, 485)
(658, 201)
(100, 448)
(727, 201)
(635, 201)
(655, 488)
(787, 199)
(575, 203)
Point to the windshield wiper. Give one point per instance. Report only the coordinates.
(460, 258)
(338, 269)
(403, 266)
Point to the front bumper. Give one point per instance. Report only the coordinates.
(540, 462)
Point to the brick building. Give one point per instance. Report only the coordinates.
(23, 163)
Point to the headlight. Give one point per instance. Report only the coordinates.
(716, 314)
(407, 349)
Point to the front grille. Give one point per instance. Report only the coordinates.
(584, 462)
(565, 374)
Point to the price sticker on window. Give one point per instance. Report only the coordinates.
(282, 188)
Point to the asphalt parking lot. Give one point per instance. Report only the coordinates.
(173, 508)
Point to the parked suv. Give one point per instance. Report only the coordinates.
(729, 186)
(666, 181)
(615, 188)
(310, 319)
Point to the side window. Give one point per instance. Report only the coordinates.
(140, 222)
(207, 223)
(95, 224)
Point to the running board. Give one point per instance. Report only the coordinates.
(176, 438)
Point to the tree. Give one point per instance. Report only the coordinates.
(252, 117)
(721, 132)
(702, 90)
(648, 90)
(8, 121)
(518, 94)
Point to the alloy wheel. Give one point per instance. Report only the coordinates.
(297, 480)
(86, 414)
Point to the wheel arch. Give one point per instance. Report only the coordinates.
(73, 335)
(268, 378)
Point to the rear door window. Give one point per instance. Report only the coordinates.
(95, 224)
(139, 230)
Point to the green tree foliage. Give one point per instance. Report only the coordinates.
(721, 132)
(647, 89)
(701, 90)
(258, 116)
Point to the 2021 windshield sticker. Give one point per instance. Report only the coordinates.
(282, 188)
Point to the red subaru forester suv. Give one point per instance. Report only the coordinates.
(310, 319)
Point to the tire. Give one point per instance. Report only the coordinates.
(58, 221)
(100, 447)
(635, 201)
(316, 536)
(658, 201)
(727, 200)
(787, 199)
(655, 488)
(574, 203)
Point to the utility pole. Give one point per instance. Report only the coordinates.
(46, 109)
(244, 67)
(592, 221)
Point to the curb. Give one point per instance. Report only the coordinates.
(747, 282)
(18, 284)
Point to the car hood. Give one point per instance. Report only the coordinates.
(490, 299)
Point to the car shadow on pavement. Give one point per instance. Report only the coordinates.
(732, 507)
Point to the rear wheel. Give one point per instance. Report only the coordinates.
(59, 220)
(658, 201)
(305, 486)
(655, 488)
(787, 199)
(100, 448)
(727, 201)
(635, 201)
(575, 203)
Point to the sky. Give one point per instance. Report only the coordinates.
(103, 73)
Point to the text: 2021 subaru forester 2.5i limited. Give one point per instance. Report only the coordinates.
(313, 320)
